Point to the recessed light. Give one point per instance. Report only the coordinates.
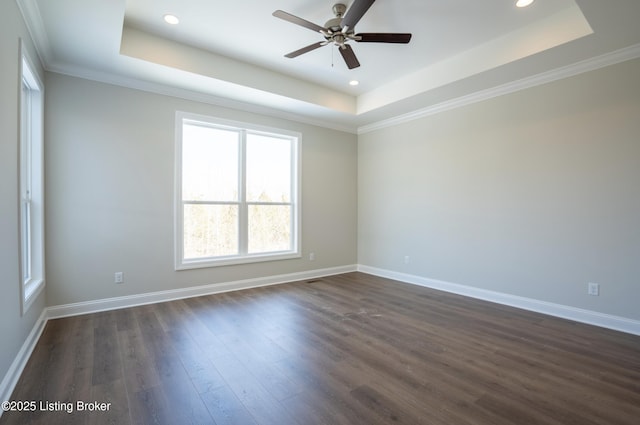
(354, 82)
(171, 19)
(523, 3)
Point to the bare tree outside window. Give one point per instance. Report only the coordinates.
(238, 193)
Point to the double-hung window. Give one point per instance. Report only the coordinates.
(237, 192)
(31, 185)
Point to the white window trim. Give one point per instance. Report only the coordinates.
(31, 197)
(295, 252)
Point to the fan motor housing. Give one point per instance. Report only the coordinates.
(334, 24)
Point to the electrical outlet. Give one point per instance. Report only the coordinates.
(312, 256)
(407, 259)
(118, 277)
(593, 289)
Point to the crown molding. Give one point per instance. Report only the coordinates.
(592, 64)
(33, 19)
(35, 25)
(210, 99)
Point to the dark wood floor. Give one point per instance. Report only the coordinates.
(348, 349)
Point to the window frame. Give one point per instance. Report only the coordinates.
(31, 182)
(243, 257)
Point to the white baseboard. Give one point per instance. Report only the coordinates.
(617, 323)
(580, 315)
(194, 291)
(12, 376)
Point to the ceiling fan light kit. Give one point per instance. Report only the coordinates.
(341, 30)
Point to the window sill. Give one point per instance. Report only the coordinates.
(31, 292)
(229, 261)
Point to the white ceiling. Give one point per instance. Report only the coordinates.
(232, 52)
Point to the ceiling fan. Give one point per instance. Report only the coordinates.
(340, 31)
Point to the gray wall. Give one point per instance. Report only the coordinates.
(533, 194)
(14, 328)
(109, 185)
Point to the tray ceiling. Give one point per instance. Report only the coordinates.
(233, 52)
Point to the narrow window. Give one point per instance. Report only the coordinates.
(31, 185)
(236, 193)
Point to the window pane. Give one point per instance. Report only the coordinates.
(269, 228)
(268, 169)
(31, 185)
(26, 241)
(209, 164)
(210, 231)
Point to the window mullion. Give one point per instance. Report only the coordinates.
(243, 212)
(293, 195)
(26, 241)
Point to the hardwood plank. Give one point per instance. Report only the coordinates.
(307, 405)
(151, 407)
(107, 360)
(256, 399)
(138, 367)
(114, 393)
(225, 407)
(183, 404)
(389, 410)
(125, 319)
(261, 368)
(346, 349)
